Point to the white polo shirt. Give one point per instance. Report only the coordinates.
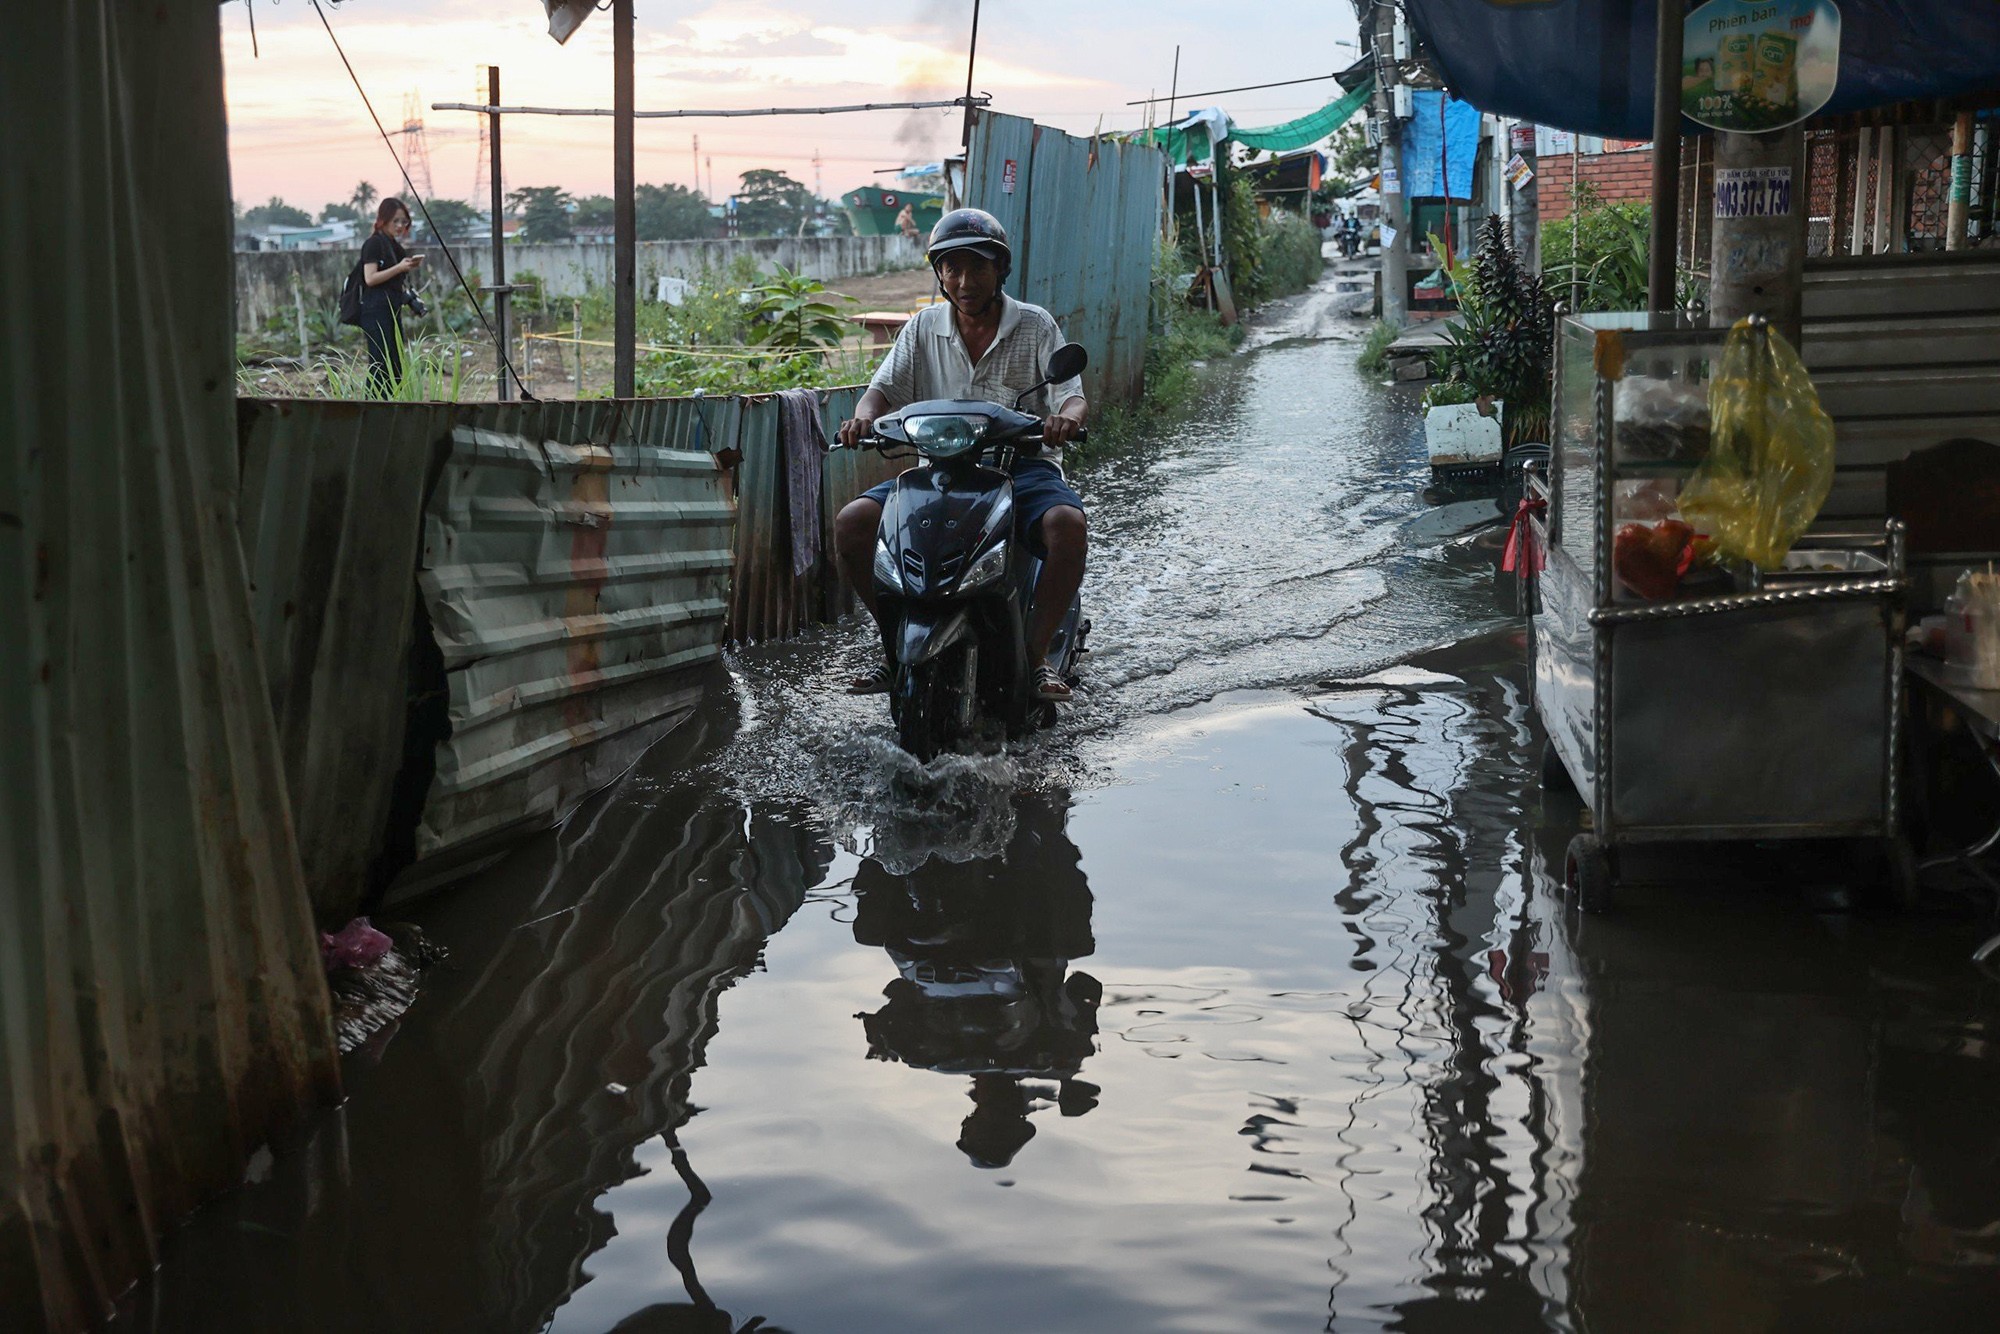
(929, 360)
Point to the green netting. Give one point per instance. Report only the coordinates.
(1181, 147)
(1192, 144)
(1307, 129)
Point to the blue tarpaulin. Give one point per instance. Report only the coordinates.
(1424, 166)
(1587, 65)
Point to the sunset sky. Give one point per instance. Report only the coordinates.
(298, 129)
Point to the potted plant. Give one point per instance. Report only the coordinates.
(1496, 355)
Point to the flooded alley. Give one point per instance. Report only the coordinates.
(1243, 1000)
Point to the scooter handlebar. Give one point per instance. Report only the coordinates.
(873, 441)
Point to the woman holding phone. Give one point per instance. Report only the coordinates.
(384, 263)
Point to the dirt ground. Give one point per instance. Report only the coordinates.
(902, 290)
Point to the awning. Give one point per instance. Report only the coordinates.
(1587, 65)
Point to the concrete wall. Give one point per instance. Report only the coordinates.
(264, 279)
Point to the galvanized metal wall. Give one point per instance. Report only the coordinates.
(574, 590)
(580, 564)
(769, 601)
(332, 522)
(162, 1005)
(1082, 215)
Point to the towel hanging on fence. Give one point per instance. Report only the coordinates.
(802, 442)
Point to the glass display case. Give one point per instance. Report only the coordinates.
(1688, 698)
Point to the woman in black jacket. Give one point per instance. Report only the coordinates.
(384, 263)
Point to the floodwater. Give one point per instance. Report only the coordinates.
(1239, 1002)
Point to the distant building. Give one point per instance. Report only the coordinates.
(341, 235)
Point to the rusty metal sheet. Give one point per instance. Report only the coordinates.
(576, 591)
(162, 1006)
(1083, 215)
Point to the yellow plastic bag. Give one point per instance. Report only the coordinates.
(1770, 453)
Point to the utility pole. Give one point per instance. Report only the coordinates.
(697, 164)
(1759, 247)
(1663, 243)
(624, 263)
(1395, 225)
(502, 336)
(971, 53)
(1524, 215)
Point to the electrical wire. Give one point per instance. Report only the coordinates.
(444, 245)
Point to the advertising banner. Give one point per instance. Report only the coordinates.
(1756, 65)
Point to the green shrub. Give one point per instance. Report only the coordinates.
(1292, 256)
(1596, 258)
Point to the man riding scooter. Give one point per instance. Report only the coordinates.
(980, 344)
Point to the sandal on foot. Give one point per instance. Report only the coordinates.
(1050, 686)
(872, 682)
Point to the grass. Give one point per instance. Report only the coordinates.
(435, 370)
(1375, 349)
(1174, 362)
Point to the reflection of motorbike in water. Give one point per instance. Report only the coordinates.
(983, 986)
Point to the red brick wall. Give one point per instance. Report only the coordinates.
(1617, 177)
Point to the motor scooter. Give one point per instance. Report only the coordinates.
(953, 586)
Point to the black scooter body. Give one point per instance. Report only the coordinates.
(954, 629)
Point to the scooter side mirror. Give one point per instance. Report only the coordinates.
(1067, 362)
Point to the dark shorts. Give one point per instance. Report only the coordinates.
(1038, 488)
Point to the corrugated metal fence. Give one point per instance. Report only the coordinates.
(1082, 215)
(472, 616)
(162, 1006)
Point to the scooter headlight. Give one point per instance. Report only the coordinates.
(886, 573)
(946, 436)
(985, 570)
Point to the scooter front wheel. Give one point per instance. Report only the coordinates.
(932, 703)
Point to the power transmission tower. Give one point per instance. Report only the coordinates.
(817, 191)
(416, 155)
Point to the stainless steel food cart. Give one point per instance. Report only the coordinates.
(1759, 705)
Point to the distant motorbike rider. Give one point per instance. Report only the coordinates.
(1350, 236)
(980, 344)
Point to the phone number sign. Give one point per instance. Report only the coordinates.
(1753, 192)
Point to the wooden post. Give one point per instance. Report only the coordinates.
(1863, 150)
(1663, 244)
(624, 216)
(1961, 182)
(1885, 184)
(299, 310)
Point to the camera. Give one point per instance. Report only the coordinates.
(417, 307)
